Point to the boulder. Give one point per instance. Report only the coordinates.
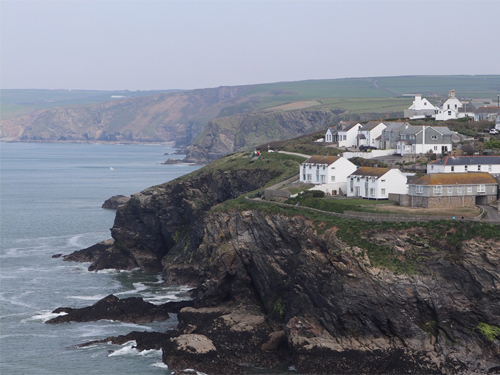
(115, 201)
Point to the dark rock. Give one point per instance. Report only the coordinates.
(56, 256)
(115, 201)
(131, 310)
(103, 256)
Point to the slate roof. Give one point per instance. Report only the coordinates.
(467, 160)
(350, 126)
(370, 125)
(319, 159)
(471, 178)
(370, 171)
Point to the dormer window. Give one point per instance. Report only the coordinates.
(434, 137)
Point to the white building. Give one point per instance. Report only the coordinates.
(344, 134)
(420, 108)
(452, 109)
(376, 183)
(370, 133)
(461, 164)
(330, 171)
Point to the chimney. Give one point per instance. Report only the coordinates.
(454, 155)
(452, 94)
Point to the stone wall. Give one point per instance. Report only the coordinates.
(437, 202)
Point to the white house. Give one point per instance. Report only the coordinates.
(376, 183)
(370, 133)
(452, 109)
(420, 108)
(461, 164)
(330, 171)
(344, 134)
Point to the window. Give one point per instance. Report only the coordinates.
(382, 191)
(419, 189)
(372, 192)
(432, 167)
(453, 169)
(478, 167)
(481, 189)
(373, 179)
(435, 148)
(358, 178)
(449, 113)
(438, 189)
(469, 189)
(465, 168)
(450, 189)
(489, 168)
(382, 180)
(309, 177)
(322, 178)
(434, 137)
(333, 179)
(459, 190)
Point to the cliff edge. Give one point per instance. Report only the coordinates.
(324, 294)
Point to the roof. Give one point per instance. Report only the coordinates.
(320, 159)
(371, 125)
(470, 178)
(467, 160)
(370, 171)
(350, 126)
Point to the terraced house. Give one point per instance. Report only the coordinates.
(424, 139)
(462, 164)
(448, 190)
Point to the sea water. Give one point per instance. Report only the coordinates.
(51, 197)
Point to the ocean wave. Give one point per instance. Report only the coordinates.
(45, 316)
(160, 365)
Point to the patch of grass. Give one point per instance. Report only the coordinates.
(489, 331)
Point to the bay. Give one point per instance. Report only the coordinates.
(51, 197)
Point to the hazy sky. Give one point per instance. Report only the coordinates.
(147, 45)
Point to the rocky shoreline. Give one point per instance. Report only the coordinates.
(272, 288)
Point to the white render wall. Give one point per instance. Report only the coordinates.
(490, 168)
(394, 181)
(349, 137)
(325, 174)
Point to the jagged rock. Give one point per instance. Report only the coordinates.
(115, 201)
(131, 310)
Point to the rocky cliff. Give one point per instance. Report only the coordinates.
(324, 294)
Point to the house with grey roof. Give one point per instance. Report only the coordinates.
(424, 139)
(369, 134)
(463, 164)
(391, 134)
(344, 133)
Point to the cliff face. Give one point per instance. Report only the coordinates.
(319, 294)
(178, 117)
(343, 315)
(233, 133)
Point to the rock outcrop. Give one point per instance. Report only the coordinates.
(115, 201)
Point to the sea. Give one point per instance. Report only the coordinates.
(51, 197)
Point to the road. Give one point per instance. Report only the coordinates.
(493, 214)
(295, 153)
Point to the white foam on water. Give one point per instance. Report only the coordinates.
(151, 352)
(45, 315)
(193, 370)
(16, 300)
(160, 365)
(128, 349)
(75, 241)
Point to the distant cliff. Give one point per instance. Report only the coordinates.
(178, 117)
(324, 294)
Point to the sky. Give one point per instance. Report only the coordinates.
(163, 44)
